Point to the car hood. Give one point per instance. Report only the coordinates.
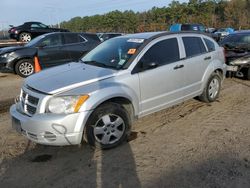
(66, 77)
(10, 49)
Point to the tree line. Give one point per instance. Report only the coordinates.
(211, 13)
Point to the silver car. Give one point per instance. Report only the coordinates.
(124, 78)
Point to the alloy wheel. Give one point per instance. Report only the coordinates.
(109, 129)
(213, 88)
(25, 37)
(26, 68)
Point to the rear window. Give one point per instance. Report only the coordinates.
(193, 46)
(210, 45)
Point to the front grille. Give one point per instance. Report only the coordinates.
(29, 103)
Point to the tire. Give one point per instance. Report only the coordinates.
(248, 73)
(108, 126)
(212, 89)
(25, 67)
(24, 37)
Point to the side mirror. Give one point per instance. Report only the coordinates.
(148, 65)
(152, 65)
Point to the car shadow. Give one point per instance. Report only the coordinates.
(70, 166)
(223, 171)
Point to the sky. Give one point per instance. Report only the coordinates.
(16, 12)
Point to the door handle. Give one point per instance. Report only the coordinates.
(207, 58)
(178, 67)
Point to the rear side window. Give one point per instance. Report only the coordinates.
(193, 46)
(163, 52)
(210, 45)
(71, 38)
(92, 37)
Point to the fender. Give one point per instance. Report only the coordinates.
(213, 66)
(100, 92)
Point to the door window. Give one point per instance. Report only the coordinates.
(210, 45)
(163, 52)
(52, 40)
(193, 46)
(71, 38)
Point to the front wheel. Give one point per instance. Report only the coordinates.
(108, 126)
(212, 88)
(25, 67)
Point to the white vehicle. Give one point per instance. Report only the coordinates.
(122, 79)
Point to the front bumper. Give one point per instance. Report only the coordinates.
(50, 129)
(6, 65)
(231, 68)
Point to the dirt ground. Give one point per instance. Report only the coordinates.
(190, 145)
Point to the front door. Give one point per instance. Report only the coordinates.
(49, 52)
(161, 78)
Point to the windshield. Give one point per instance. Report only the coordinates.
(113, 53)
(35, 41)
(236, 41)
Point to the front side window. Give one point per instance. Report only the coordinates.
(163, 52)
(113, 53)
(193, 46)
(52, 40)
(43, 26)
(35, 25)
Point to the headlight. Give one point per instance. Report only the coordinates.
(241, 61)
(7, 55)
(66, 104)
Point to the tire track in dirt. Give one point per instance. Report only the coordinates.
(5, 105)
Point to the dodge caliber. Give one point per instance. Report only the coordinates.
(122, 79)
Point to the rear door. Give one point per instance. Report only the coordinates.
(160, 86)
(75, 46)
(196, 62)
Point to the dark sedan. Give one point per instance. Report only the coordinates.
(51, 49)
(30, 30)
(237, 48)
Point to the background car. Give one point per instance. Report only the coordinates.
(237, 45)
(52, 49)
(106, 36)
(223, 32)
(30, 30)
(193, 27)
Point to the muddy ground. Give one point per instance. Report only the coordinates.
(190, 145)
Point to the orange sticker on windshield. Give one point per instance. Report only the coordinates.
(131, 51)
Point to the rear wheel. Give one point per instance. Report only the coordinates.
(212, 88)
(108, 126)
(25, 37)
(25, 67)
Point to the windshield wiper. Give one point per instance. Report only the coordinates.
(98, 64)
